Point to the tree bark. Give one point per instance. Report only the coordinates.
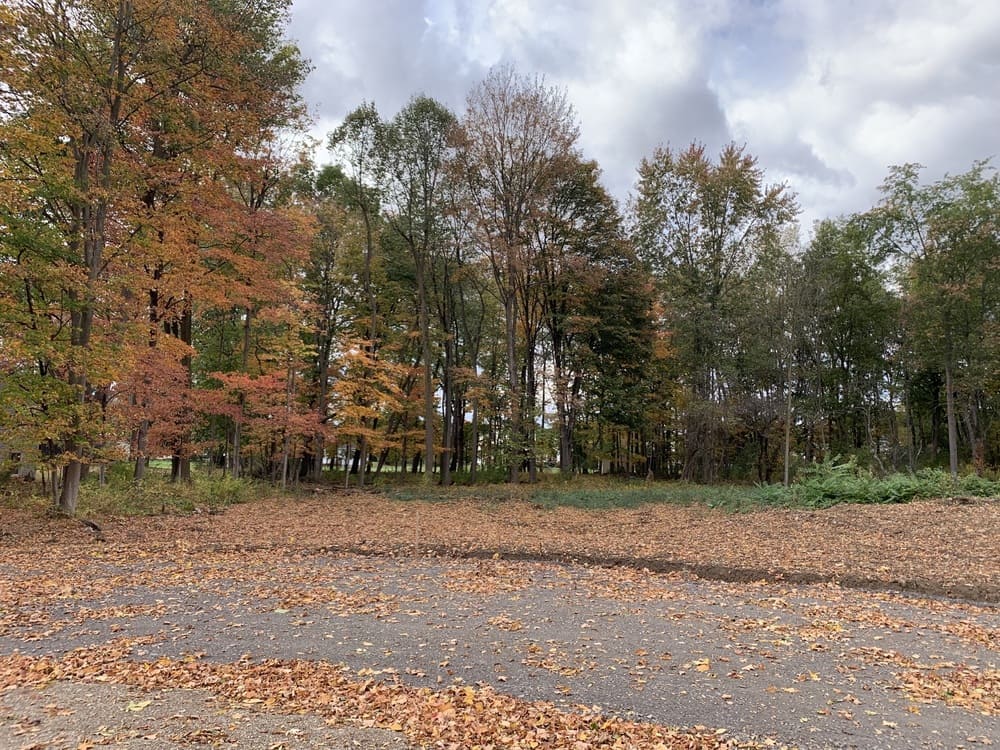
(952, 423)
(516, 447)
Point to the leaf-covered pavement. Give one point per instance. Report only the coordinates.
(261, 607)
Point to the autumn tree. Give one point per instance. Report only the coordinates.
(580, 251)
(356, 146)
(415, 145)
(516, 135)
(702, 226)
(91, 113)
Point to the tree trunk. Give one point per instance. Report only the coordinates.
(238, 429)
(449, 427)
(516, 447)
(911, 458)
(180, 469)
(319, 442)
(970, 418)
(788, 424)
(952, 423)
(362, 461)
(430, 415)
(530, 402)
(141, 444)
(181, 458)
(474, 430)
(70, 487)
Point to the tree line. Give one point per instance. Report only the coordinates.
(454, 294)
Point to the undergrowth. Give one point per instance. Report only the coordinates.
(121, 495)
(819, 486)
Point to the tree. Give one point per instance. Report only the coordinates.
(98, 96)
(847, 338)
(701, 227)
(516, 137)
(415, 147)
(581, 254)
(356, 144)
(946, 241)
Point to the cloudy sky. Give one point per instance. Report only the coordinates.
(827, 93)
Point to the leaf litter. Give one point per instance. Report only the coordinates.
(264, 550)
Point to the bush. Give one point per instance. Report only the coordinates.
(120, 495)
(771, 495)
(973, 484)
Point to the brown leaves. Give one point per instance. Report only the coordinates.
(927, 546)
(959, 686)
(272, 557)
(457, 717)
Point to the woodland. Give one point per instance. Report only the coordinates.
(449, 294)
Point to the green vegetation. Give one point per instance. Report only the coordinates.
(120, 495)
(824, 485)
(821, 486)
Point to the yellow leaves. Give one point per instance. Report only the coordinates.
(138, 705)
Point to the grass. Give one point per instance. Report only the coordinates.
(589, 492)
(121, 496)
(818, 486)
(610, 493)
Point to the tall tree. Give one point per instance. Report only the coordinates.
(356, 144)
(91, 89)
(946, 239)
(579, 249)
(516, 137)
(701, 227)
(415, 147)
(847, 335)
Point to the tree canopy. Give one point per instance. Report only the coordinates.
(454, 294)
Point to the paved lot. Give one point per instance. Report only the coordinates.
(809, 666)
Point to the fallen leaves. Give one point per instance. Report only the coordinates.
(953, 684)
(975, 690)
(923, 546)
(458, 716)
(269, 556)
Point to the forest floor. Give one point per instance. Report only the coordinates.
(350, 618)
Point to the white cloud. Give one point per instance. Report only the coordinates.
(826, 93)
(894, 83)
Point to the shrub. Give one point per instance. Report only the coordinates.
(973, 484)
(120, 495)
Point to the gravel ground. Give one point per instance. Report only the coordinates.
(806, 666)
